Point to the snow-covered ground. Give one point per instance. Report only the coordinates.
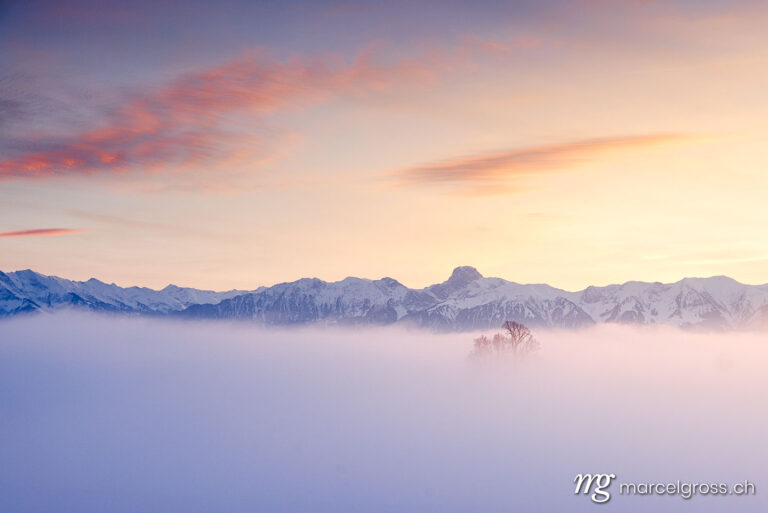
(133, 415)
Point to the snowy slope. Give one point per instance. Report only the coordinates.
(466, 301)
(27, 291)
(717, 302)
(352, 300)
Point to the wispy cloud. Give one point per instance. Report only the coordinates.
(488, 170)
(219, 115)
(191, 120)
(40, 232)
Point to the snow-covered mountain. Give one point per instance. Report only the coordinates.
(28, 291)
(467, 301)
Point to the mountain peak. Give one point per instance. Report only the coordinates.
(460, 278)
(465, 273)
(26, 272)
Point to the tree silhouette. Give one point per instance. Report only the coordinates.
(517, 340)
(520, 337)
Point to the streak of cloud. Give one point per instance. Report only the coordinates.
(489, 169)
(40, 232)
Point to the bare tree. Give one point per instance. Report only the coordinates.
(520, 337)
(482, 343)
(516, 340)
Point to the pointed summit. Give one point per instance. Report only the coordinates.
(465, 274)
(460, 278)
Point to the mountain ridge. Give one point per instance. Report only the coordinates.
(466, 301)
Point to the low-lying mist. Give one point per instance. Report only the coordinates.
(133, 415)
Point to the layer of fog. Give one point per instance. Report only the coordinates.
(130, 415)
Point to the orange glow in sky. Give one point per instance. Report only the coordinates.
(571, 143)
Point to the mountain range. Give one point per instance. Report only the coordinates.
(466, 301)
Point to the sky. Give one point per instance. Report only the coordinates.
(234, 144)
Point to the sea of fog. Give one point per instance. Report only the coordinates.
(102, 415)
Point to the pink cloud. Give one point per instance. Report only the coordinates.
(40, 232)
(189, 121)
(492, 171)
(185, 122)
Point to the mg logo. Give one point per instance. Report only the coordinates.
(595, 483)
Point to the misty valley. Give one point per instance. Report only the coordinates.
(147, 414)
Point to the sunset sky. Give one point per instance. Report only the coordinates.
(235, 143)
